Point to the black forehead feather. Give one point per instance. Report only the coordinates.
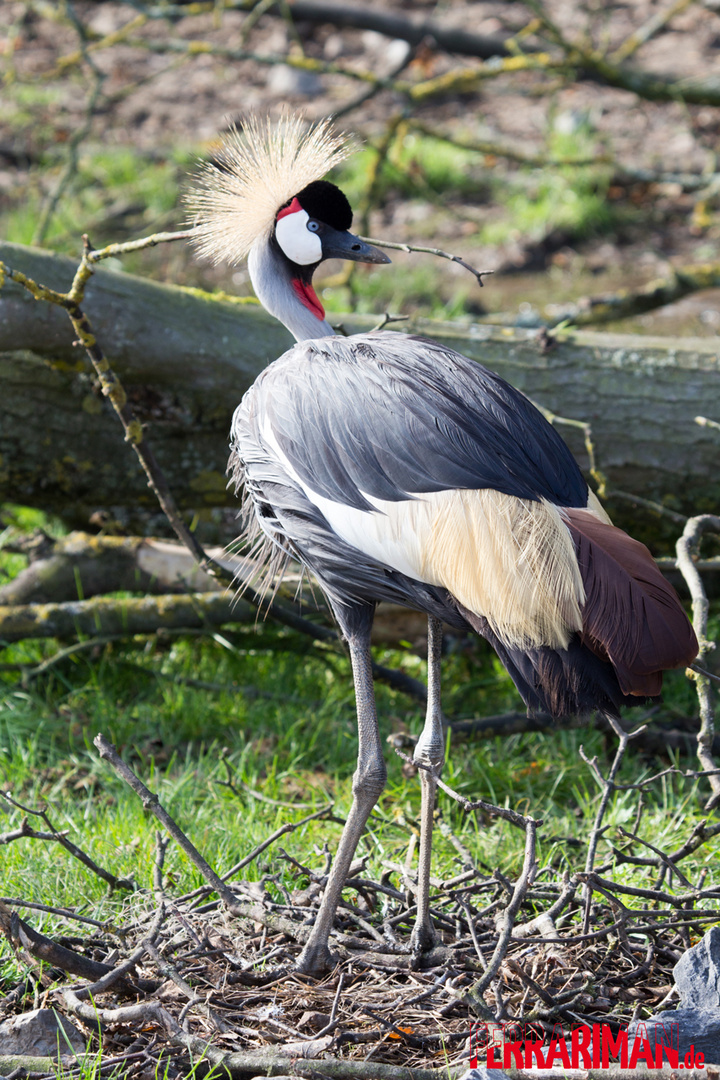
(327, 203)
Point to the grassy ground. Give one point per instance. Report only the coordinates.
(279, 718)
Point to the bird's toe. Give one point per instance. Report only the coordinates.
(422, 941)
(315, 960)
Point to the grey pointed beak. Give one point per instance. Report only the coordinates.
(345, 245)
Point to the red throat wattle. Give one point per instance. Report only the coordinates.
(307, 296)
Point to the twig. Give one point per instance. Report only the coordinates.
(117, 973)
(76, 852)
(64, 913)
(142, 1013)
(474, 997)
(661, 856)
(477, 274)
(79, 134)
(233, 783)
(699, 836)
(473, 933)
(386, 320)
(20, 934)
(169, 971)
(582, 425)
(650, 504)
(546, 919)
(703, 671)
(687, 542)
(478, 804)
(289, 826)
(371, 91)
(301, 63)
(151, 802)
(608, 787)
(392, 133)
(653, 26)
(488, 147)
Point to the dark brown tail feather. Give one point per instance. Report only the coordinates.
(562, 682)
(631, 616)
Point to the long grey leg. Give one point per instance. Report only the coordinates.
(368, 783)
(429, 751)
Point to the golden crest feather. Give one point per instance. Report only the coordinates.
(235, 200)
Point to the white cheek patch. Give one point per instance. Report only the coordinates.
(299, 244)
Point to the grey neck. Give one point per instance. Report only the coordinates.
(272, 282)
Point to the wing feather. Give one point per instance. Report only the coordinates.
(632, 615)
(389, 416)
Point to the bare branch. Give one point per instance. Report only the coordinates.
(477, 274)
(688, 541)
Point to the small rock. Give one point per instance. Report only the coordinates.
(315, 1020)
(697, 977)
(293, 82)
(697, 973)
(41, 1033)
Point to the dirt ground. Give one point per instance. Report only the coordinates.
(157, 101)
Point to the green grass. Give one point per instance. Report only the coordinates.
(115, 193)
(285, 724)
(119, 192)
(281, 720)
(419, 166)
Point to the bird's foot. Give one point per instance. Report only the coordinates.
(315, 959)
(422, 940)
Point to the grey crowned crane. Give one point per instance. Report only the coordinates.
(396, 469)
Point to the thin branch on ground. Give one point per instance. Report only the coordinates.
(474, 996)
(650, 504)
(72, 849)
(657, 22)
(582, 425)
(151, 802)
(70, 168)
(608, 788)
(625, 303)
(686, 544)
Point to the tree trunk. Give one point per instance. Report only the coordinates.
(186, 358)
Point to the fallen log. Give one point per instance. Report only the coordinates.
(80, 566)
(186, 357)
(109, 617)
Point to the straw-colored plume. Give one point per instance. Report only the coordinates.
(256, 171)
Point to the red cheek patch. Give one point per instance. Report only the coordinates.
(307, 296)
(292, 208)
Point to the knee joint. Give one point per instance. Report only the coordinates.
(370, 779)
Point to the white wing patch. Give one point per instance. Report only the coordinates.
(511, 560)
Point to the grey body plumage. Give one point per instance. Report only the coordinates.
(396, 469)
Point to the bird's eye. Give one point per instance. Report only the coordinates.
(313, 226)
